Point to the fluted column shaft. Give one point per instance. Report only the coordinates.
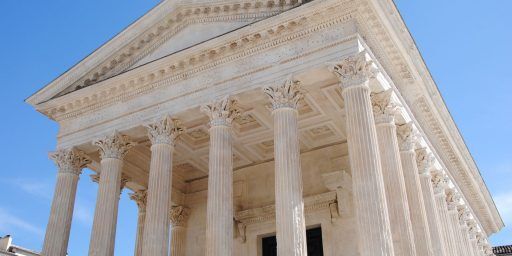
(424, 164)
(70, 163)
(465, 238)
(290, 223)
(103, 234)
(178, 245)
(219, 213)
(156, 224)
(178, 217)
(368, 183)
(419, 220)
(219, 227)
(396, 195)
(140, 197)
(459, 242)
(445, 223)
(105, 214)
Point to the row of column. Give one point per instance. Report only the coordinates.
(402, 207)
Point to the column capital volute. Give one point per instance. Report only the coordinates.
(286, 95)
(424, 160)
(354, 70)
(384, 109)
(70, 160)
(114, 146)
(222, 112)
(439, 182)
(464, 214)
(164, 131)
(140, 198)
(407, 136)
(178, 215)
(452, 199)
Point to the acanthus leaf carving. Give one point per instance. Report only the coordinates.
(165, 131)
(178, 215)
(70, 160)
(452, 198)
(384, 109)
(354, 70)
(424, 160)
(222, 112)
(114, 146)
(406, 136)
(287, 95)
(439, 182)
(140, 198)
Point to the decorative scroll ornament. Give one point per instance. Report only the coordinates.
(140, 198)
(222, 112)
(452, 199)
(439, 182)
(354, 70)
(114, 146)
(406, 136)
(179, 216)
(383, 108)
(464, 214)
(286, 95)
(165, 131)
(70, 160)
(424, 160)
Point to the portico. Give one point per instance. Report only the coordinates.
(314, 116)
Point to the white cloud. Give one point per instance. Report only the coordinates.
(10, 222)
(83, 212)
(39, 189)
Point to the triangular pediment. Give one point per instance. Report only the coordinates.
(168, 28)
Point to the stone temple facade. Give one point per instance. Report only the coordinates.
(235, 121)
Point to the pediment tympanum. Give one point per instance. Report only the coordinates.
(172, 27)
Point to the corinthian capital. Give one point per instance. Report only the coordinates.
(354, 70)
(114, 146)
(140, 198)
(222, 112)
(70, 160)
(463, 214)
(165, 131)
(179, 216)
(439, 182)
(383, 108)
(452, 198)
(424, 160)
(406, 136)
(286, 95)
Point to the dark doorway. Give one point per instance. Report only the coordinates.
(314, 241)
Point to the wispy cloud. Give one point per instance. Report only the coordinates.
(83, 212)
(40, 189)
(10, 222)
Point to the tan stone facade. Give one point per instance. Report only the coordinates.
(234, 121)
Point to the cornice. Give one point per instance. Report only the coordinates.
(183, 65)
(157, 26)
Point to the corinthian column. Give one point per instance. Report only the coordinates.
(424, 161)
(415, 199)
(178, 217)
(112, 149)
(219, 216)
(162, 134)
(452, 201)
(463, 216)
(70, 164)
(140, 198)
(398, 207)
(473, 230)
(439, 182)
(290, 223)
(370, 204)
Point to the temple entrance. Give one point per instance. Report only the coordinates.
(314, 242)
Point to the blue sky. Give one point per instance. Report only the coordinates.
(466, 44)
